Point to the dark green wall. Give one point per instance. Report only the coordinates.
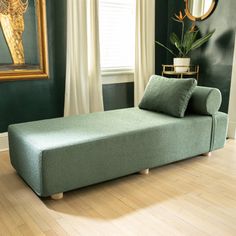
(60, 52)
(161, 32)
(117, 96)
(23, 101)
(216, 58)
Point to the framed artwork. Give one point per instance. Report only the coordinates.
(23, 40)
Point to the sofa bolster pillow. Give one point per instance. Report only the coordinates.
(205, 101)
(166, 95)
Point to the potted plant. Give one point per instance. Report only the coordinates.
(184, 44)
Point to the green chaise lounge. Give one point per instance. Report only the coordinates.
(58, 155)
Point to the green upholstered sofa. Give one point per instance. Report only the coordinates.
(57, 155)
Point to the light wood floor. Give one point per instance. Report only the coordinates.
(193, 197)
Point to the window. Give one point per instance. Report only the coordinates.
(117, 34)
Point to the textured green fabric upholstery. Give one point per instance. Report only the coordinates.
(169, 96)
(205, 101)
(59, 155)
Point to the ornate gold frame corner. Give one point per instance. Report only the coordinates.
(42, 72)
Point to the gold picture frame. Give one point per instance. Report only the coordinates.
(26, 49)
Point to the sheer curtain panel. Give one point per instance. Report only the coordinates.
(144, 46)
(83, 77)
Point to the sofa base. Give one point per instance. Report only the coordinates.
(57, 196)
(207, 154)
(144, 172)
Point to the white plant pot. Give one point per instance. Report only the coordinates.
(181, 65)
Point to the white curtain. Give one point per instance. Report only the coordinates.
(83, 78)
(144, 46)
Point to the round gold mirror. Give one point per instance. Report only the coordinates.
(199, 9)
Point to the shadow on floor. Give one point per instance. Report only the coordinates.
(120, 197)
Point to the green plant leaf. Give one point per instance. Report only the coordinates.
(198, 43)
(162, 45)
(174, 39)
(189, 39)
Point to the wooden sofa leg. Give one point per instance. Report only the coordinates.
(208, 154)
(57, 196)
(144, 172)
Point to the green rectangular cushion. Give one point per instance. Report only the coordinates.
(59, 155)
(169, 96)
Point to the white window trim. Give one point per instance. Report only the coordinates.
(117, 71)
(117, 76)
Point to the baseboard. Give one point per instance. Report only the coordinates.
(232, 130)
(4, 142)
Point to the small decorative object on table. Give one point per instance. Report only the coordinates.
(192, 71)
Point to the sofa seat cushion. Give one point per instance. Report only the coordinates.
(69, 131)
